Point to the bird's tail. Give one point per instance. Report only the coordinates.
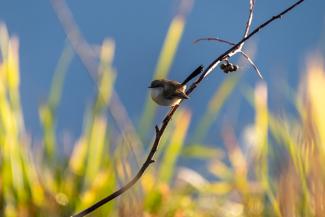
(195, 73)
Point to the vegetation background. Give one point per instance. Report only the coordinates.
(238, 147)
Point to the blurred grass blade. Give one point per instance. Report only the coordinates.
(237, 159)
(220, 170)
(96, 138)
(261, 123)
(47, 110)
(91, 145)
(262, 146)
(214, 106)
(103, 182)
(96, 148)
(10, 122)
(59, 76)
(201, 151)
(316, 92)
(87, 161)
(174, 147)
(107, 76)
(78, 156)
(16, 169)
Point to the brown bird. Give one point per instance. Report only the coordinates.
(167, 92)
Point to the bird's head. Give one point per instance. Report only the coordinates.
(156, 84)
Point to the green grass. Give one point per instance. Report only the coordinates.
(44, 183)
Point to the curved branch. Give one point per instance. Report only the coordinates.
(240, 51)
(159, 132)
(213, 39)
(135, 179)
(252, 63)
(231, 51)
(247, 28)
(250, 17)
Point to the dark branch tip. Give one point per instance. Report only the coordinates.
(157, 129)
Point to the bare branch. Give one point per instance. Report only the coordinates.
(252, 63)
(240, 51)
(250, 17)
(247, 28)
(239, 46)
(159, 132)
(233, 50)
(249, 21)
(157, 129)
(213, 39)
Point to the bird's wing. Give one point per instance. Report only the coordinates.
(173, 83)
(175, 89)
(180, 94)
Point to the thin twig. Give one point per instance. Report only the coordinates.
(250, 18)
(240, 51)
(240, 46)
(213, 39)
(233, 49)
(246, 32)
(252, 63)
(159, 132)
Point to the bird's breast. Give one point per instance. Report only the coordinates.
(156, 92)
(158, 97)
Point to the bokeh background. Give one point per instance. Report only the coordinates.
(73, 130)
(139, 29)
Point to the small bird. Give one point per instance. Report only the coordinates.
(170, 93)
(167, 92)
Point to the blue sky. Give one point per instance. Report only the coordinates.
(139, 28)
